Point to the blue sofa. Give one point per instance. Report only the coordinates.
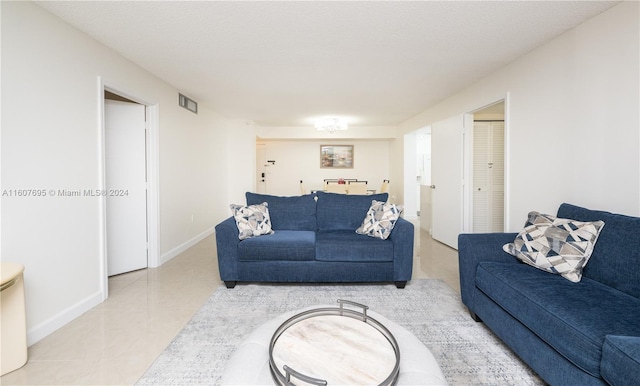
(315, 241)
(585, 333)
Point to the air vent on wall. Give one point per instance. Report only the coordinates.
(188, 103)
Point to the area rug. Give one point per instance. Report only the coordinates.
(467, 352)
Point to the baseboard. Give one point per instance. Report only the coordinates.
(57, 321)
(186, 245)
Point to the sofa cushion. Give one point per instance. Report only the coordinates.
(616, 257)
(282, 245)
(556, 245)
(344, 211)
(380, 219)
(573, 318)
(621, 360)
(344, 245)
(252, 220)
(295, 213)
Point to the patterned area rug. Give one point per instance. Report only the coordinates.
(467, 352)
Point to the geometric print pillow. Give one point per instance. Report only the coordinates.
(252, 220)
(556, 245)
(380, 219)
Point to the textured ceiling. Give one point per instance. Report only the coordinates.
(285, 63)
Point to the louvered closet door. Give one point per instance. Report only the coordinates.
(496, 207)
(488, 177)
(481, 176)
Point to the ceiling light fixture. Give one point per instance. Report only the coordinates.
(331, 125)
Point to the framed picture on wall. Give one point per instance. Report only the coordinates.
(336, 156)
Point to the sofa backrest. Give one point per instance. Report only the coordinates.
(344, 211)
(615, 260)
(295, 213)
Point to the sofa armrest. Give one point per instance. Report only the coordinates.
(402, 237)
(475, 248)
(621, 360)
(227, 244)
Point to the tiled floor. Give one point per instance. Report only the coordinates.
(117, 341)
(435, 260)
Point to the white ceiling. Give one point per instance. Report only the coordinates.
(286, 63)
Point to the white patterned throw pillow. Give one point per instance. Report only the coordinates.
(380, 219)
(556, 245)
(252, 220)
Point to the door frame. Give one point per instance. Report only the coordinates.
(468, 165)
(467, 144)
(152, 165)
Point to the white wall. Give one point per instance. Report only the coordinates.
(411, 203)
(241, 164)
(300, 160)
(372, 144)
(396, 168)
(423, 155)
(573, 125)
(50, 140)
(193, 162)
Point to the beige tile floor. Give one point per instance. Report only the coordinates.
(117, 341)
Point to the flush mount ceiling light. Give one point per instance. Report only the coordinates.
(331, 124)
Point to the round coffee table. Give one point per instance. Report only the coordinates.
(250, 363)
(334, 345)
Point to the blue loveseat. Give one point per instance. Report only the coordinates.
(315, 241)
(585, 333)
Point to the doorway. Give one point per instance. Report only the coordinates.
(456, 206)
(417, 172)
(125, 183)
(150, 204)
(488, 170)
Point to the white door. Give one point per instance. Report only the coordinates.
(497, 178)
(126, 193)
(488, 177)
(447, 180)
